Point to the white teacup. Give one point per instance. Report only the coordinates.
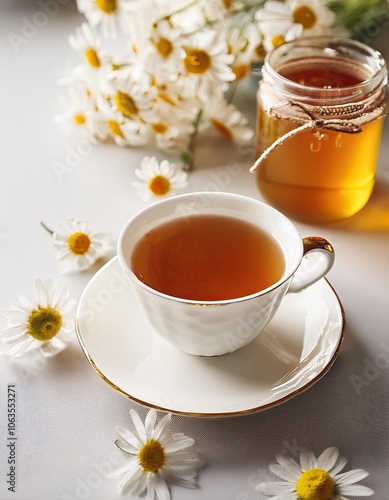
(210, 328)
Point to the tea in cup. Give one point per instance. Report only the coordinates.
(211, 269)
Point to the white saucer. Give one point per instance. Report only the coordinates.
(294, 351)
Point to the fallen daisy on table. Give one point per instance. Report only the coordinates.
(159, 179)
(156, 457)
(41, 330)
(314, 478)
(77, 246)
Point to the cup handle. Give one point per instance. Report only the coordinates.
(318, 259)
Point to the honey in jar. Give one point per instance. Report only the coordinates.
(321, 105)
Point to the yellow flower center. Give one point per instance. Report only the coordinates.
(125, 104)
(227, 4)
(44, 323)
(315, 484)
(277, 40)
(164, 47)
(159, 128)
(107, 6)
(92, 58)
(260, 51)
(159, 185)
(240, 71)
(305, 16)
(197, 61)
(79, 119)
(220, 127)
(151, 456)
(114, 127)
(79, 243)
(166, 98)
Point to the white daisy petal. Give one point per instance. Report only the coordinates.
(24, 303)
(141, 486)
(20, 348)
(150, 493)
(307, 459)
(39, 330)
(40, 292)
(12, 333)
(122, 468)
(288, 475)
(273, 488)
(77, 247)
(356, 490)
(51, 348)
(155, 462)
(185, 478)
(351, 477)
(111, 18)
(178, 443)
(284, 496)
(161, 488)
(227, 120)
(301, 479)
(289, 464)
(126, 446)
(150, 420)
(161, 432)
(339, 465)
(180, 457)
(131, 479)
(128, 436)
(158, 180)
(138, 424)
(328, 458)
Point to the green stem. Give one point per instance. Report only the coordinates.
(43, 224)
(183, 8)
(192, 142)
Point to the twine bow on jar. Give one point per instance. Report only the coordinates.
(322, 118)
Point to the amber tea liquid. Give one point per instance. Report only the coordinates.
(318, 175)
(207, 258)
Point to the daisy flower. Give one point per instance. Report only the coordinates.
(284, 21)
(174, 127)
(82, 117)
(207, 64)
(133, 100)
(97, 65)
(77, 246)
(156, 457)
(107, 13)
(315, 478)
(164, 55)
(172, 136)
(44, 327)
(124, 132)
(84, 41)
(158, 180)
(242, 43)
(227, 120)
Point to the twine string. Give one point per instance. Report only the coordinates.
(313, 123)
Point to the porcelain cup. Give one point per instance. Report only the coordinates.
(211, 328)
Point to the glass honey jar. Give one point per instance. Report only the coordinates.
(321, 106)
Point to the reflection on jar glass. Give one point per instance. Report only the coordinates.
(321, 105)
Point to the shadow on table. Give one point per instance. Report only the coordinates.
(347, 409)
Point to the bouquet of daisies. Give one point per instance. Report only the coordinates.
(165, 70)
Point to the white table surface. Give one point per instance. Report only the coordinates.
(66, 415)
